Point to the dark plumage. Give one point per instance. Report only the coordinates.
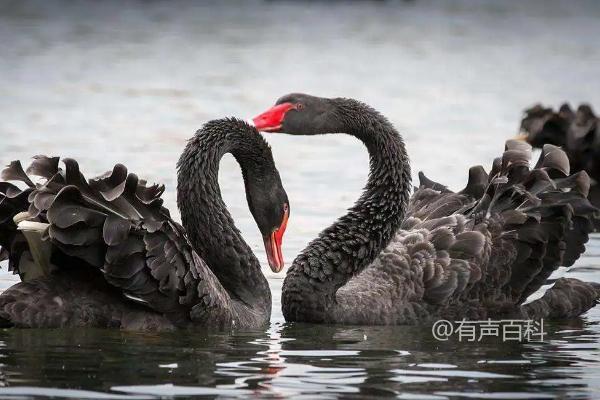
(119, 260)
(578, 133)
(478, 253)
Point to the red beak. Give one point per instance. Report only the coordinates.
(273, 246)
(272, 119)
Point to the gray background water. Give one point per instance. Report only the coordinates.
(108, 82)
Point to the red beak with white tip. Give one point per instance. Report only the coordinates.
(272, 119)
(273, 245)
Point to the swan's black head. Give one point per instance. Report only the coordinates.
(267, 199)
(269, 205)
(300, 114)
(198, 178)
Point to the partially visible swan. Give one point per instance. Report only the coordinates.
(577, 132)
(478, 253)
(105, 253)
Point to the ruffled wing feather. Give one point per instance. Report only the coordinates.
(486, 248)
(115, 223)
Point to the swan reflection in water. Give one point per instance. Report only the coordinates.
(284, 361)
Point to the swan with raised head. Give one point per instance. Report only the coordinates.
(104, 252)
(478, 253)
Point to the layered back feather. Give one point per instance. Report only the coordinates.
(114, 224)
(499, 239)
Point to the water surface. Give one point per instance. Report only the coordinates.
(108, 82)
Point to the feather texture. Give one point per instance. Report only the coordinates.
(104, 223)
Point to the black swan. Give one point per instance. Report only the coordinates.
(104, 252)
(477, 253)
(577, 132)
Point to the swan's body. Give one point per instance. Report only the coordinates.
(474, 254)
(117, 259)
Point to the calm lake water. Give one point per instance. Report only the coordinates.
(108, 82)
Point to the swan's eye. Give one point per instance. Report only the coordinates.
(285, 207)
(299, 106)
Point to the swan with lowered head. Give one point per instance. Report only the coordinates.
(105, 252)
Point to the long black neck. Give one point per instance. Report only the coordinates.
(354, 240)
(204, 215)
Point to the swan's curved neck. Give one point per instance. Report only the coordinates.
(205, 217)
(354, 240)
